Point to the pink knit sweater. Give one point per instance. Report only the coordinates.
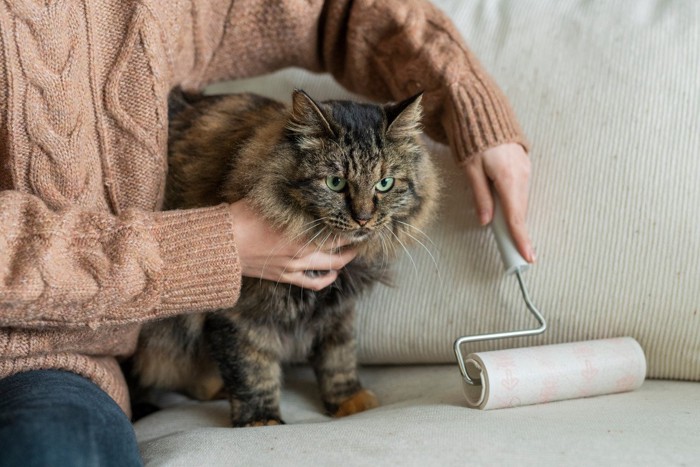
(85, 256)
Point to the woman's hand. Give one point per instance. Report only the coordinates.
(507, 167)
(268, 254)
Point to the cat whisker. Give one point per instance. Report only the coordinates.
(298, 251)
(417, 230)
(289, 294)
(404, 248)
(335, 283)
(389, 243)
(437, 269)
(323, 243)
(319, 245)
(385, 252)
(313, 224)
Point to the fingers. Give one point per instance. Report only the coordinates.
(315, 270)
(319, 261)
(481, 191)
(337, 243)
(267, 253)
(507, 169)
(323, 261)
(314, 282)
(514, 211)
(309, 265)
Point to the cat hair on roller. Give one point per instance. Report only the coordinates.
(524, 376)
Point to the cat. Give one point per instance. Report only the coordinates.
(320, 169)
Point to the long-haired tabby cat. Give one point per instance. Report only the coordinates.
(320, 169)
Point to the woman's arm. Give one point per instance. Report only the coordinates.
(77, 267)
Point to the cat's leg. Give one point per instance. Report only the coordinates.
(335, 364)
(248, 360)
(171, 355)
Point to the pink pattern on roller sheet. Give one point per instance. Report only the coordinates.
(510, 382)
(589, 374)
(508, 401)
(545, 360)
(634, 365)
(626, 383)
(584, 391)
(514, 402)
(583, 349)
(621, 343)
(589, 371)
(550, 386)
(504, 361)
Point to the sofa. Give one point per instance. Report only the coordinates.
(608, 93)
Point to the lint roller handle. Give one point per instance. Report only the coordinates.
(514, 264)
(512, 260)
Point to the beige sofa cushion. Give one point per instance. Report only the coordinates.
(609, 95)
(423, 422)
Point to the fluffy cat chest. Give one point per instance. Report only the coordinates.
(291, 308)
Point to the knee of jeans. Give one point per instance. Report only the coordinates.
(69, 435)
(72, 423)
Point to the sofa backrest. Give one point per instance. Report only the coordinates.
(608, 93)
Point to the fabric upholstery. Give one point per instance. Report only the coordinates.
(423, 422)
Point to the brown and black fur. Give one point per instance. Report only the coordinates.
(228, 147)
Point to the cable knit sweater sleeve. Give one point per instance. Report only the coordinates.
(75, 267)
(384, 49)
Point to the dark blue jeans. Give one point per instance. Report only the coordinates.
(56, 418)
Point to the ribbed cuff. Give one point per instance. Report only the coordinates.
(478, 117)
(201, 269)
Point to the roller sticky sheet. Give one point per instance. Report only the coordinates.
(534, 375)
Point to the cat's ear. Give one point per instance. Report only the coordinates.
(307, 116)
(403, 118)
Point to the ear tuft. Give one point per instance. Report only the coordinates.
(403, 118)
(307, 117)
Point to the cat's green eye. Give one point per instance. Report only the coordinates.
(384, 184)
(335, 183)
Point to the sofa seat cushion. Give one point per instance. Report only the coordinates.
(423, 421)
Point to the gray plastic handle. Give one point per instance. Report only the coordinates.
(512, 261)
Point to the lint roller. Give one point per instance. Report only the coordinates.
(524, 376)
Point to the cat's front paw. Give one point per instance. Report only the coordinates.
(247, 415)
(362, 400)
(263, 422)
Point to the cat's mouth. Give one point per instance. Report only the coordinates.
(356, 234)
(361, 233)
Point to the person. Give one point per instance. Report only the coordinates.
(86, 255)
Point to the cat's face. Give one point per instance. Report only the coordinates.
(361, 173)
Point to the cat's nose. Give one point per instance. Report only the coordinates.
(362, 210)
(362, 218)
